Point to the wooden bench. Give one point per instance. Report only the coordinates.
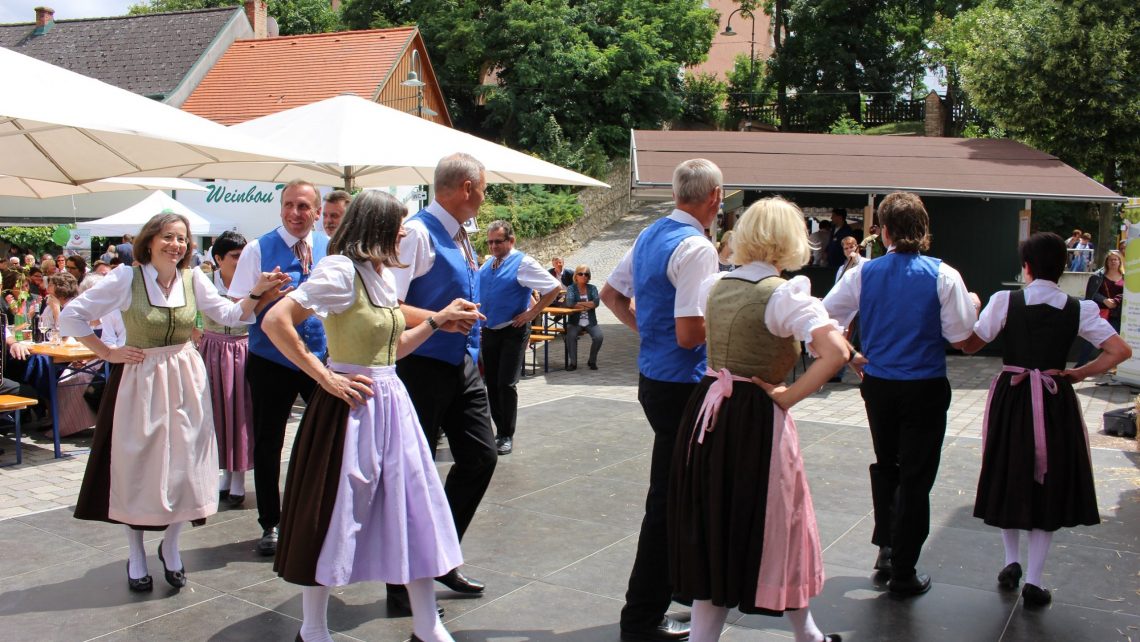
(14, 404)
(535, 340)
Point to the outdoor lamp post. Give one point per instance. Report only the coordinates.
(414, 81)
(752, 47)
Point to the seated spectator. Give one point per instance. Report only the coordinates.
(584, 297)
(75, 414)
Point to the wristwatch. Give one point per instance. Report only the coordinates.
(433, 324)
(255, 296)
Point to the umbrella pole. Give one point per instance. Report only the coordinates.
(349, 179)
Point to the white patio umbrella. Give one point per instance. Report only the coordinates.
(57, 125)
(130, 220)
(32, 188)
(360, 143)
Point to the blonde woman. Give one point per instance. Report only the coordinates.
(742, 530)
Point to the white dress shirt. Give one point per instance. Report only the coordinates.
(1092, 327)
(416, 249)
(791, 312)
(533, 276)
(957, 312)
(691, 263)
(248, 269)
(331, 287)
(114, 293)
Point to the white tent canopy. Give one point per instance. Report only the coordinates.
(57, 125)
(131, 220)
(359, 143)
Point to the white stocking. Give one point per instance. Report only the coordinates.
(136, 554)
(224, 481)
(170, 552)
(1011, 537)
(425, 617)
(708, 621)
(237, 484)
(803, 626)
(1039, 542)
(315, 606)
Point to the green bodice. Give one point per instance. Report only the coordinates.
(210, 325)
(366, 334)
(738, 338)
(150, 326)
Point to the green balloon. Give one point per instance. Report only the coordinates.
(61, 235)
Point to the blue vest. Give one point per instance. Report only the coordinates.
(275, 253)
(501, 295)
(660, 357)
(900, 324)
(450, 277)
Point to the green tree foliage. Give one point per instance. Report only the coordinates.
(746, 87)
(533, 210)
(702, 99)
(33, 240)
(835, 50)
(294, 17)
(845, 124)
(603, 66)
(1064, 76)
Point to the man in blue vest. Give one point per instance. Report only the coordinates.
(662, 271)
(274, 382)
(909, 307)
(441, 375)
(505, 284)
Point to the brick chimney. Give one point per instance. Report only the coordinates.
(933, 126)
(257, 13)
(45, 18)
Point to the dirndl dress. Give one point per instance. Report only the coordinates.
(153, 458)
(741, 524)
(225, 350)
(1036, 466)
(363, 500)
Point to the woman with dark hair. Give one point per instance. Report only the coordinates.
(153, 461)
(363, 501)
(1036, 474)
(224, 348)
(1105, 288)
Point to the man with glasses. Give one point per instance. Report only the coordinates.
(664, 270)
(505, 284)
(274, 382)
(76, 266)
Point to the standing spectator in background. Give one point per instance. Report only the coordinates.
(109, 254)
(820, 241)
(559, 271)
(851, 256)
(126, 250)
(724, 252)
(76, 266)
(1082, 254)
(1105, 288)
(336, 202)
(505, 285)
(1074, 240)
(29, 260)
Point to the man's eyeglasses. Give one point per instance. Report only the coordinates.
(495, 241)
(582, 273)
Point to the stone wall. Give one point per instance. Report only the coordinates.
(603, 207)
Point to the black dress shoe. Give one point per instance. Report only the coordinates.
(299, 638)
(1010, 576)
(669, 629)
(460, 583)
(571, 367)
(223, 495)
(593, 366)
(142, 585)
(400, 606)
(234, 501)
(883, 561)
(177, 579)
(832, 637)
(267, 546)
(1035, 596)
(504, 445)
(916, 584)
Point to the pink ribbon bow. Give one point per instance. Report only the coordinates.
(718, 391)
(1038, 382)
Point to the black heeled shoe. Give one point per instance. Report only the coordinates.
(177, 579)
(1010, 576)
(142, 585)
(1035, 596)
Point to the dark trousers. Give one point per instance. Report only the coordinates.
(572, 334)
(908, 424)
(452, 398)
(272, 388)
(503, 351)
(649, 592)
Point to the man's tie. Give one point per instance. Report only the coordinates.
(462, 241)
(304, 254)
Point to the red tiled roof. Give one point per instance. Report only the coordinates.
(260, 77)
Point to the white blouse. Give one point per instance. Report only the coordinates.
(331, 286)
(1092, 327)
(791, 312)
(113, 293)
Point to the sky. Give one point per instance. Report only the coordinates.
(25, 10)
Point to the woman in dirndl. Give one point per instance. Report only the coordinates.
(224, 349)
(363, 501)
(153, 459)
(1036, 469)
(742, 530)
